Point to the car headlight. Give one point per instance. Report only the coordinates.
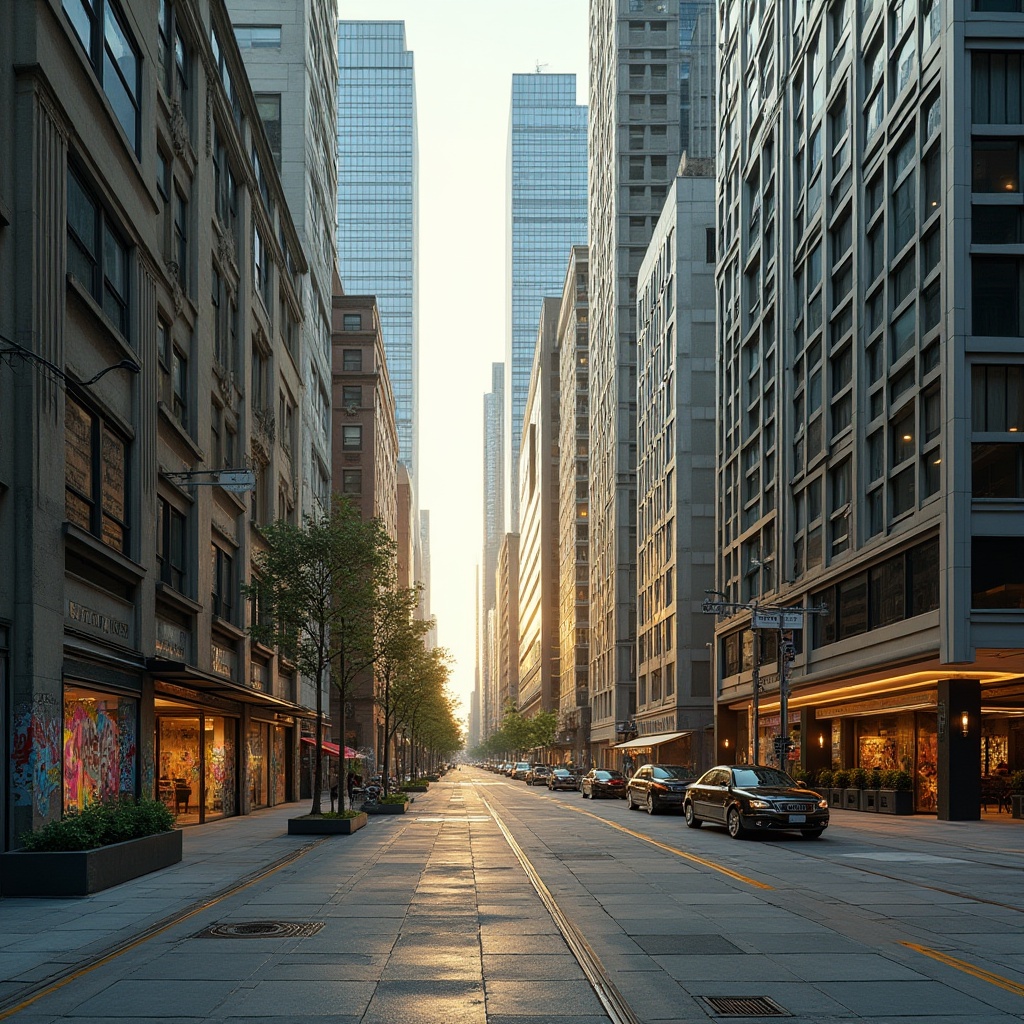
(759, 805)
(823, 804)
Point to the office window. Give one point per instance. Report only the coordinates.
(97, 256)
(170, 544)
(258, 37)
(269, 107)
(223, 579)
(995, 296)
(351, 481)
(260, 258)
(351, 396)
(352, 360)
(997, 398)
(995, 165)
(179, 385)
(997, 86)
(95, 475)
(352, 321)
(114, 57)
(352, 438)
(181, 247)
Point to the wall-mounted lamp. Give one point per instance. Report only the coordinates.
(821, 741)
(726, 743)
(965, 723)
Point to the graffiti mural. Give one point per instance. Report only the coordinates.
(35, 756)
(100, 741)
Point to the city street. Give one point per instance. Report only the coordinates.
(489, 901)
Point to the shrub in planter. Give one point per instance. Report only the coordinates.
(859, 778)
(88, 851)
(328, 823)
(896, 795)
(393, 798)
(825, 778)
(875, 778)
(101, 824)
(1016, 787)
(800, 775)
(841, 778)
(840, 782)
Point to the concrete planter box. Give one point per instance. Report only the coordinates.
(895, 801)
(869, 799)
(82, 872)
(416, 787)
(386, 808)
(314, 825)
(851, 799)
(835, 798)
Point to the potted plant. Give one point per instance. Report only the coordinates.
(332, 823)
(89, 850)
(896, 794)
(840, 783)
(393, 804)
(1017, 794)
(853, 798)
(869, 797)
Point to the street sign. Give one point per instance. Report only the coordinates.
(770, 619)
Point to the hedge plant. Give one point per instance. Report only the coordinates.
(100, 824)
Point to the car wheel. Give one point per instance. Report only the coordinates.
(651, 806)
(583, 793)
(733, 823)
(630, 806)
(812, 833)
(692, 821)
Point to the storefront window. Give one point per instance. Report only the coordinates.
(100, 746)
(180, 766)
(278, 765)
(219, 759)
(926, 775)
(258, 750)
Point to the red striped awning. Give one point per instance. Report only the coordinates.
(332, 748)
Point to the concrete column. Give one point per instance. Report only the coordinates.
(815, 755)
(959, 761)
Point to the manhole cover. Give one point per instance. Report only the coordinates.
(744, 1006)
(261, 930)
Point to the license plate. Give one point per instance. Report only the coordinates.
(797, 819)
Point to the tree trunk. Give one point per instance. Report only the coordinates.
(318, 756)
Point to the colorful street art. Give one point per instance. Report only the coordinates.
(99, 747)
(35, 758)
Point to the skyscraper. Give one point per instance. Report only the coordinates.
(627, 191)
(293, 71)
(546, 216)
(377, 198)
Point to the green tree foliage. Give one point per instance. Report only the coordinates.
(319, 589)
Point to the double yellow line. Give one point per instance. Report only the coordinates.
(968, 968)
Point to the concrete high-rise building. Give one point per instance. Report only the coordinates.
(506, 627)
(494, 532)
(377, 199)
(573, 565)
(546, 197)
(644, 112)
(871, 389)
(539, 668)
(149, 373)
(676, 477)
(291, 61)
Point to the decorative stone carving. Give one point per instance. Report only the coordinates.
(179, 128)
(226, 249)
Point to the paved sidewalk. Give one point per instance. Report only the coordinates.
(416, 910)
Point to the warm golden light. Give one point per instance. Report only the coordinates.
(726, 744)
(821, 740)
(965, 723)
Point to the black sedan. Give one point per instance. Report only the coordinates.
(537, 775)
(603, 782)
(658, 786)
(750, 798)
(562, 778)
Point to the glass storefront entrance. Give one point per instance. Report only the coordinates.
(196, 756)
(100, 746)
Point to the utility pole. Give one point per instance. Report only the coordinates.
(786, 619)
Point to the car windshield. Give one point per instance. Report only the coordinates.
(607, 775)
(672, 771)
(747, 777)
(561, 773)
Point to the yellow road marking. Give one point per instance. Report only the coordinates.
(968, 968)
(158, 930)
(673, 849)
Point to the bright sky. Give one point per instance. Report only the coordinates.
(465, 53)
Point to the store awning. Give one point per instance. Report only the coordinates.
(652, 741)
(332, 748)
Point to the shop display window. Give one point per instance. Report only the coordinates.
(278, 773)
(219, 761)
(197, 766)
(100, 746)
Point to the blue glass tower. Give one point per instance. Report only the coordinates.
(377, 199)
(546, 217)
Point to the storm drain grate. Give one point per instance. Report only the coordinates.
(261, 930)
(745, 1006)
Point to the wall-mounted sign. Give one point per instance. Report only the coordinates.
(172, 642)
(225, 660)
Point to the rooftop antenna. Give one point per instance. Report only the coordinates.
(540, 67)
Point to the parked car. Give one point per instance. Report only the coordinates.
(562, 778)
(603, 782)
(519, 770)
(538, 775)
(658, 787)
(754, 798)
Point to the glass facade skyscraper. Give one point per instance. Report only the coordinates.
(377, 198)
(546, 217)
